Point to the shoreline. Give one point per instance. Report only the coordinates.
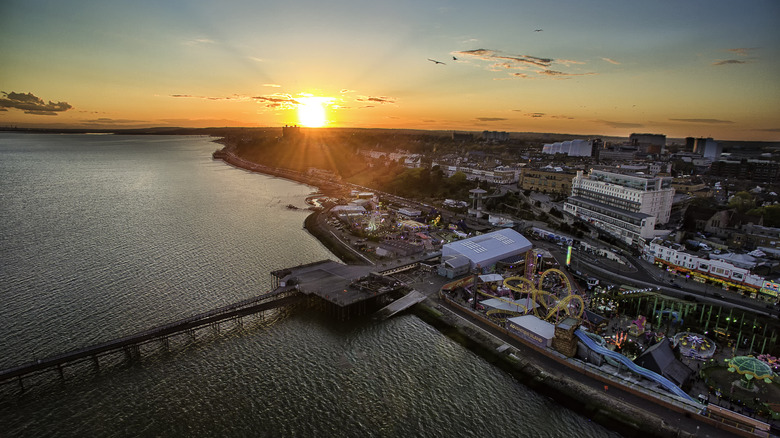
(603, 407)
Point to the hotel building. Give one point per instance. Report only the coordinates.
(625, 206)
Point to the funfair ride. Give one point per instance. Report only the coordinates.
(554, 300)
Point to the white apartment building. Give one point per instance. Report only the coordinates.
(495, 176)
(626, 206)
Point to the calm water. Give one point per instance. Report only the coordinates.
(102, 236)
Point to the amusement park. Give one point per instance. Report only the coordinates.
(694, 357)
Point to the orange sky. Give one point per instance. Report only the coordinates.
(606, 68)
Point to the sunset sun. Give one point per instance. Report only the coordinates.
(311, 111)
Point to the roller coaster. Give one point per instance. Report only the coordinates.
(553, 302)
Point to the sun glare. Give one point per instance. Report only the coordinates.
(311, 111)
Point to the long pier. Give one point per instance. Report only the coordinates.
(130, 345)
(343, 291)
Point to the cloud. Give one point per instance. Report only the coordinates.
(562, 75)
(256, 59)
(610, 60)
(729, 61)
(743, 51)
(278, 100)
(109, 121)
(272, 85)
(345, 90)
(191, 96)
(199, 41)
(620, 124)
(708, 121)
(768, 129)
(491, 119)
(32, 104)
(740, 51)
(499, 61)
(377, 99)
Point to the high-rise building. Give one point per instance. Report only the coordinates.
(708, 148)
(625, 206)
(648, 143)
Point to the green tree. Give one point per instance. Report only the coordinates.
(770, 213)
(742, 202)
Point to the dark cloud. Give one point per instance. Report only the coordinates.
(709, 121)
(277, 98)
(768, 129)
(491, 119)
(536, 115)
(729, 61)
(32, 104)
(620, 124)
(377, 99)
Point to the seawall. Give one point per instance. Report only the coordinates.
(598, 406)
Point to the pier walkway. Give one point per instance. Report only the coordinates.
(401, 304)
(130, 345)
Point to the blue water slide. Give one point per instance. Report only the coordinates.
(644, 372)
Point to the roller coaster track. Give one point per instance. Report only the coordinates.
(644, 372)
(549, 305)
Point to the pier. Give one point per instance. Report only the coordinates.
(130, 345)
(342, 291)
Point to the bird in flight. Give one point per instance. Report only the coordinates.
(538, 30)
(454, 58)
(436, 62)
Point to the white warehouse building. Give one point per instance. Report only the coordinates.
(573, 148)
(484, 251)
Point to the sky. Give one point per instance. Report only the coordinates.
(601, 67)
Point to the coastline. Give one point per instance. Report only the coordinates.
(563, 386)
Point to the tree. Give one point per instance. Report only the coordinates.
(770, 213)
(742, 202)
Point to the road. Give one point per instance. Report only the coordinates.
(643, 274)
